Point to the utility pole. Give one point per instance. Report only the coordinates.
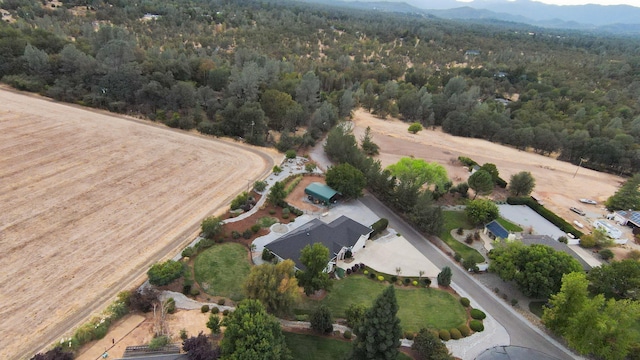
(580, 164)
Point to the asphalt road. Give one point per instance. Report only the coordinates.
(522, 333)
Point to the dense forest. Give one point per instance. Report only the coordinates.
(258, 69)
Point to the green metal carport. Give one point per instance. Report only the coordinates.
(321, 192)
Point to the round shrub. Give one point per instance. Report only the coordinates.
(372, 275)
(347, 334)
(464, 330)
(204, 308)
(465, 302)
(476, 325)
(215, 310)
(366, 272)
(247, 234)
(457, 257)
(415, 283)
(221, 301)
(272, 211)
(380, 278)
(394, 278)
(194, 291)
(235, 234)
(444, 335)
(349, 271)
(455, 334)
(427, 282)
(478, 314)
(255, 228)
(408, 335)
(407, 281)
(226, 312)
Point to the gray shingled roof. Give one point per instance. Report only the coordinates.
(557, 245)
(342, 232)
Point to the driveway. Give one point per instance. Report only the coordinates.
(525, 217)
(389, 252)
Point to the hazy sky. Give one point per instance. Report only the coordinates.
(582, 2)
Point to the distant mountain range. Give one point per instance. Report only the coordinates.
(613, 18)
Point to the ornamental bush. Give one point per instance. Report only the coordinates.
(394, 278)
(221, 301)
(476, 325)
(478, 314)
(415, 283)
(164, 273)
(408, 335)
(379, 226)
(366, 272)
(464, 330)
(465, 302)
(455, 334)
(204, 308)
(215, 310)
(444, 335)
(255, 228)
(347, 334)
(380, 278)
(372, 275)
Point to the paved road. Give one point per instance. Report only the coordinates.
(522, 333)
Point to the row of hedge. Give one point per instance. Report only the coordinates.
(545, 213)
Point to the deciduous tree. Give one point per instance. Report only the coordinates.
(346, 179)
(277, 194)
(378, 336)
(419, 172)
(252, 334)
(275, 286)
(618, 280)
(200, 348)
(521, 184)
(313, 277)
(627, 197)
(481, 211)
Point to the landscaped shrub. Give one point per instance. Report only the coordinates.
(465, 302)
(204, 244)
(501, 182)
(302, 317)
(255, 228)
(545, 213)
(427, 282)
(188, 252)
(194, 291)
(347, 334)
(235, 234)
(355, 268)
(606, 254)
(379, 226)
(259, 186)
(267, 255)
(476, 325)
(394, 278)
(467, 161)
(380, 278)
(477, 314)
(171, 305)
(272, 211)
(444, 335)
(407, 281)
(366, 272)
(514, 302)
(159, 342)
(285, 216)
(204, 308)
(460, 231)
(455, 334)
(476, 235)
(469, 239)
(215, 309)
(221, 301)
(415, 283)
(464, 330)
(290, 154)
(372, 275)
(349, 271)
(277, 169)
(225, 312)
(286, 211)
(408, 335)
(164, 273)
(457, 257)
(247, 234)
(239, 200)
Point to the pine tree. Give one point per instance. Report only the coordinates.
(379, 334)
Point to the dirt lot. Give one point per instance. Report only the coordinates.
(88, 201)
(555, 183)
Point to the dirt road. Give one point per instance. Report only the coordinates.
(555, 183)
(88, 201)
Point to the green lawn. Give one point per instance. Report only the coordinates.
(508, 225)
(221, 270)
(454, 220)
(311, 347)
(419, 307)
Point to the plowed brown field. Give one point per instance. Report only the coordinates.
(88, 201)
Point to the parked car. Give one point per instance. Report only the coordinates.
(577, 211)
(588, 201)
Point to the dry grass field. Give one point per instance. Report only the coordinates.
(88, 201)
(555, 182)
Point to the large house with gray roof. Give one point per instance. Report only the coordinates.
(339, 236)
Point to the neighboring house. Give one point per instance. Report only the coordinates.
(339, 236)
(611, 231)
(474, 168)
(321, 193)
(496, 231)
(630, 218)
(557, 245)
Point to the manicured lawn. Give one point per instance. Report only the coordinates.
(311, 347)
(508, 225)
(419, 307)
(221, 270)
(454, 220)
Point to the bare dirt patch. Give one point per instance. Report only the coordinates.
(298, 198)
(88, 201)
(555, 182)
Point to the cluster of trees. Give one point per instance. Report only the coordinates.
(537, 270)
(406, 193)
(595, 324)
(242, 68)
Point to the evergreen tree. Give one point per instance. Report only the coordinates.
(444, 277)
(627, 198)
(378, 336)
(321, 320)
